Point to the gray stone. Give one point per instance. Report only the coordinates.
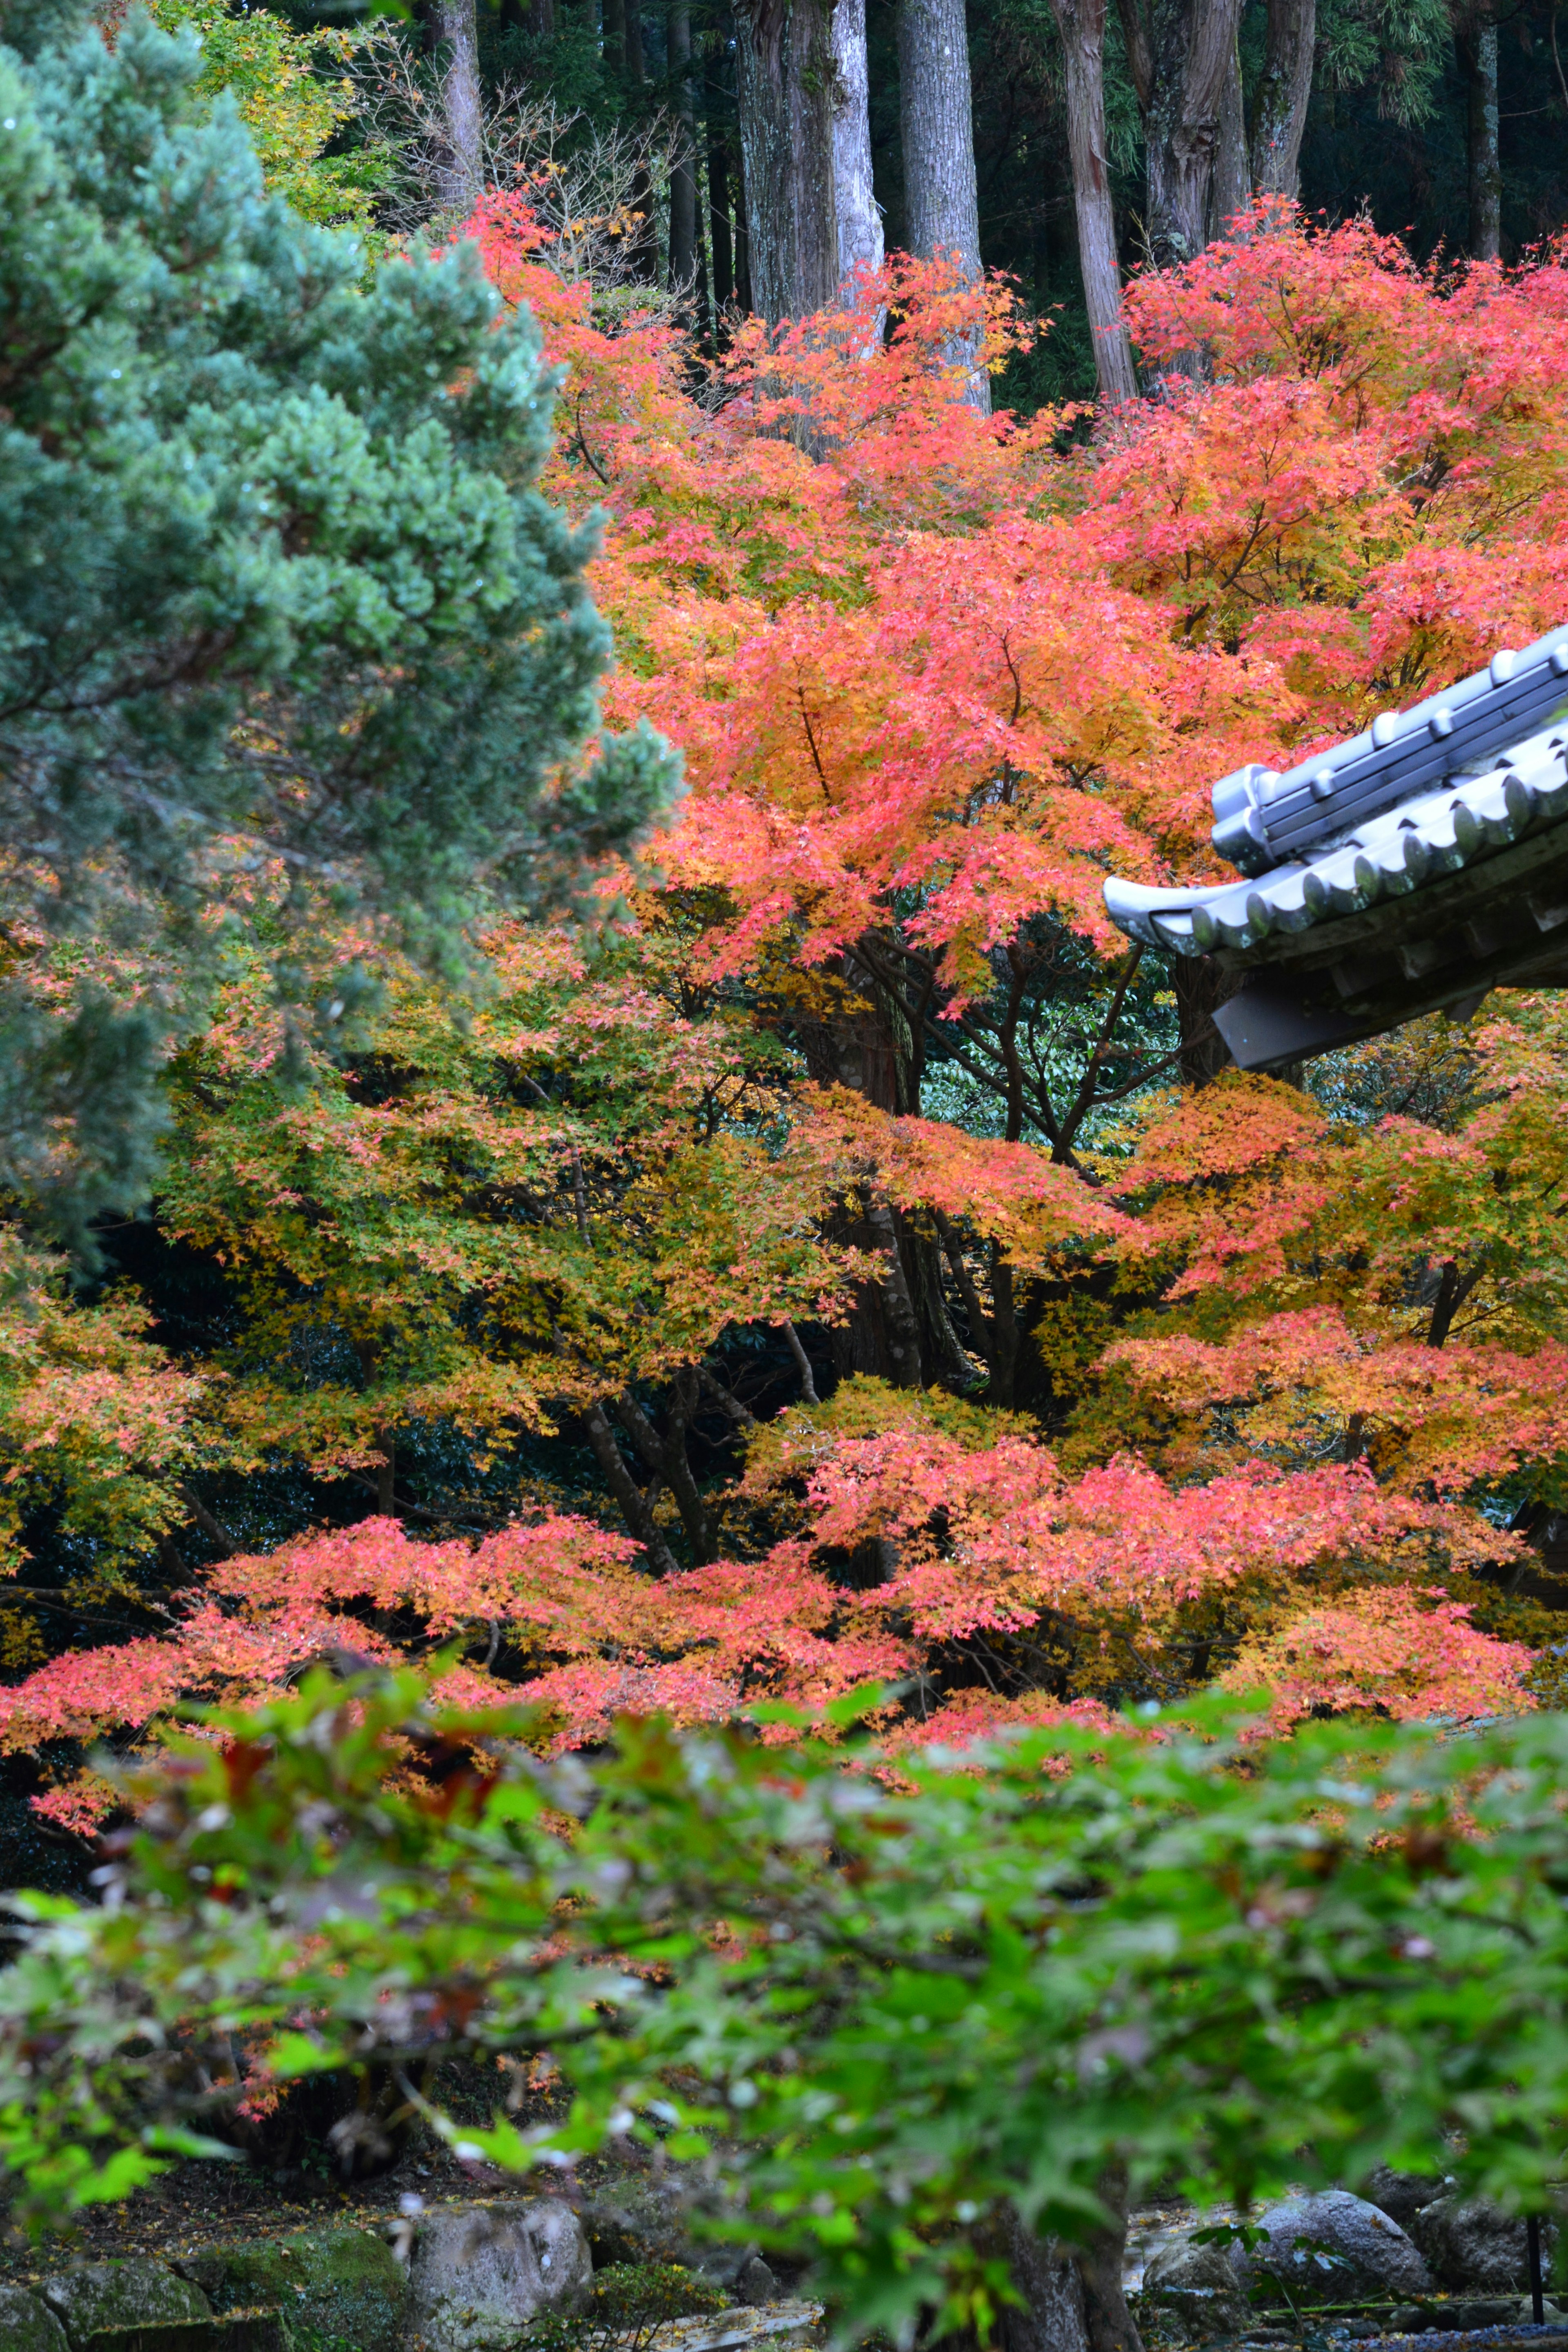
(1375, 2257)
(756, 2284)
(480, 2272)
(788, 2326)
(27, 2325)
(650, 2219)
(1471, 2242)
(332, 2283)
(101, 2297)
(1201, 2282)
(1403, 2195)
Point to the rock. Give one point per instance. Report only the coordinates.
(330, 2283)
(756, 2284)
(480, 2272)
(643, 2221)
(27, 2325)
(1201, 2282)
(1377, 2258)
(1402, 2194)
(787, 2326)
(101, 2296)
(1471, 2242)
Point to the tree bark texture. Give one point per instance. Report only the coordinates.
(784, 86)
(1081, 24)
(612, 35)
(455, 35)
(1479, 53)
(683, 175)
(941, 204)
(1231, 191)
(1180, 52)
(855, 205)
(1280, 107)
(743, 239)
(1108, 2323)
(1049, 2316)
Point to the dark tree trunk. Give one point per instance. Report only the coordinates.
(994, 1332)
(683, 177)
(635, 1506)
(719, 218)
(1485, 173)
(645, 235)
(706, 322)
(613, 36)
(1199, 990)
(1049, 2315)
(1284, 87)
(783, 64)
(1081, 24)
(541, 19)
(1108, 2322)
(386, 1475)
(855, 204)
(942, 206)
(1180, 52)
(454, 34)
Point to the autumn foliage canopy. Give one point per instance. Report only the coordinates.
(838, 1261)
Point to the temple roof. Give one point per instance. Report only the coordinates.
(1407, 870)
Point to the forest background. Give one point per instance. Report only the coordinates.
(828, 1255)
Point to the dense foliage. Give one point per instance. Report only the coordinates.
(1138, 1384)
(903, 1999)
(818, 1267)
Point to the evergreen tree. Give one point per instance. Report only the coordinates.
(279, 597)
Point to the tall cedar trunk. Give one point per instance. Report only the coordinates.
(683, 177)
(1479, 50)
(1081, 24)
(783, 65)
(743, 239)
(718, 217)
(612, 35)
(1285, 86)
(645, 236)
(541, 19)
(1231, 191)
(704, 276)
(455, 35)
(1180, 52)
(859, 222)
(941, 204)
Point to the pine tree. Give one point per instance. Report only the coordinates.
(278, 597)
